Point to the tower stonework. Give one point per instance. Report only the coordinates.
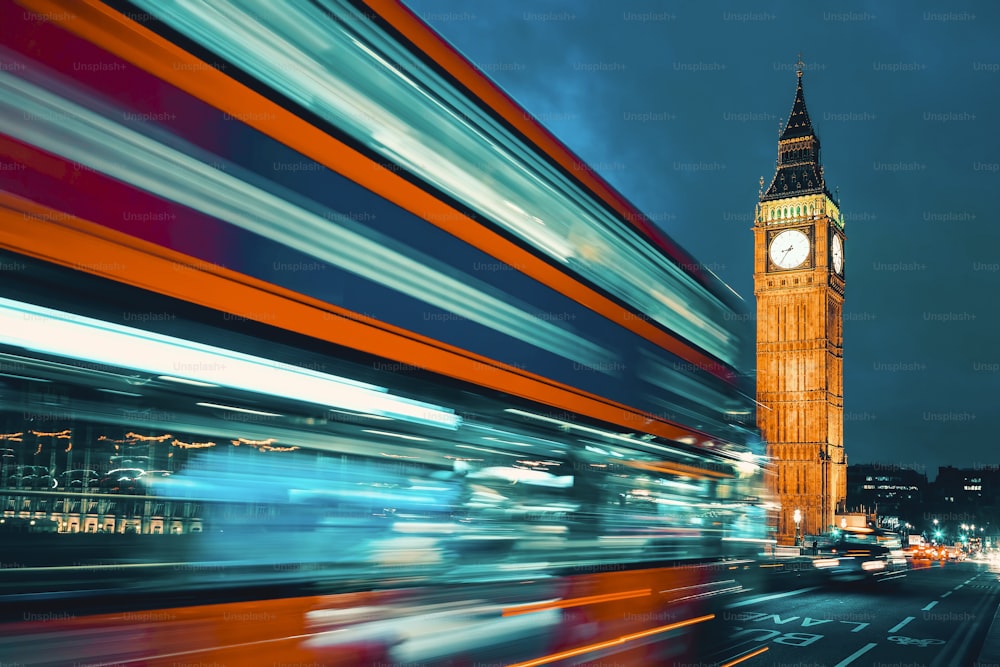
(799, 286)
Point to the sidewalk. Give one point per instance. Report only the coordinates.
(989, 656)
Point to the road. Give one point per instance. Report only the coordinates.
(937, 617)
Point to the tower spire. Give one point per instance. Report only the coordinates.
(798, 124)
(798, 170)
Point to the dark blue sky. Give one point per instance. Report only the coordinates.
(678, 105)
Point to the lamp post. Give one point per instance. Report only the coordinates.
(797, 517)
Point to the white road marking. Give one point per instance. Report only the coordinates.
(899, 626)
(944, 595)
(912, 641)
(854, 656)
(777, 620)
(928, 607)
(765, 598)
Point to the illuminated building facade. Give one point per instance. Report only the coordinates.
(887, 490)
(799, 286)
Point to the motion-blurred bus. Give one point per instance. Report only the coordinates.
(316, 347)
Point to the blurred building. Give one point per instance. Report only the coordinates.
(887, 490)
(55, 481)
(974, 487)
(961, 498)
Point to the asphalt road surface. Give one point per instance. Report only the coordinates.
(937, 616)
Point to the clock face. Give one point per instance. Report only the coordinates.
(837, 254)
(789, 249)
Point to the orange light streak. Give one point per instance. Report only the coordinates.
(678, 469)
(147, 438)
(575, 602)
(66, 433)
(611, 642)
(742, 658)
(255, 443)
(191, 445)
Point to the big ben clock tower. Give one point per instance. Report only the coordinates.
(799, 285)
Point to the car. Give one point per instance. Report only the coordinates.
(854, 561)
(927, 552)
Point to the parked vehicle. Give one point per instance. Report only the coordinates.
(77, 480)
(122, 480)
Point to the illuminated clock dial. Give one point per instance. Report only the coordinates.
(789, 249)
(837, 254)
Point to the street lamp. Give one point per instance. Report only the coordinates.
(797, 517)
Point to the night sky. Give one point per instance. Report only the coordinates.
(678, 105)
